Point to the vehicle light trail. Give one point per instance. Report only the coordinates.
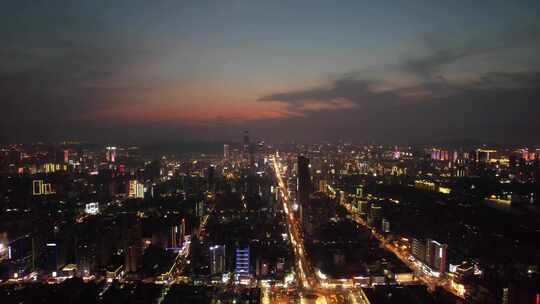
(305, 274)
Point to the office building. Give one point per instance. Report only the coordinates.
(363, 208)
(218, 259)
(133, 258)
(418, 249)
(136, 189)
(242, 263)
(246, 148)
(54, 256)
(375, 214)
(110, 154)
(211, 177)
(177, 233)
(323, 186)
(385, 225)
(39, 187)
(436, 255)
(303, 184)
(91, 208)
(226, 152)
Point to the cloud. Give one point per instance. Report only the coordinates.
(426, 66)
(424, 73)
(336, 104)
(509, 80)
(62, 63)
(343, 93)
(41, 84)
(442, 51)
(498, 106)
(440, 54)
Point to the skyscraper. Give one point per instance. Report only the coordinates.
(245, 146)
(303, 183)
(110, 154)
(199, 209)
(385, 225)
(133, 258)
(210, 176)
(177, 233)
(173, 238)
(136, 189)
(303, 186)
(375, 214)
(436, 255)
(242, 263)
(217, 259)
(66, 156)
(226, 152)
(363, 208)
(54, 256)
(418, 249)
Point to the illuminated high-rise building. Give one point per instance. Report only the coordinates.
(242, 263)
(303, 183)
(173, 238)
(20, 248)
(442, 155)
(363, 208)
(217, 259)
(375, 214)
(359, 191)
(210, 177)
(418, 249)
(54, 256)
(110, 154)
(177, 233)
(261, 267)
(199, 209)
(182, 229)
(323, 185)
(86, 256)
(133, 258)
(385, 225)
(245, 146)
(92, 208)
(41, 188)
(484, 155)
(435, 154)
(226, 152)
(37, 187)
(436, 255)
(4, 247)
(136, 189)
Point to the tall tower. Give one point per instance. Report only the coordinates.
(218, 259)
(226, 152)
(177, 233)
(436, 255)
(242, 263)
(303, 183)
(110, 154)
(246, 148)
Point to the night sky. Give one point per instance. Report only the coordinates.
(384, 71)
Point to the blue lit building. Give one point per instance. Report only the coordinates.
(242, 263)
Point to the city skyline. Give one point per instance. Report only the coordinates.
(259, 223)
(415, 72)
(270, 152)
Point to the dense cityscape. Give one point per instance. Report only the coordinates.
(252, 222)
(269, 152)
